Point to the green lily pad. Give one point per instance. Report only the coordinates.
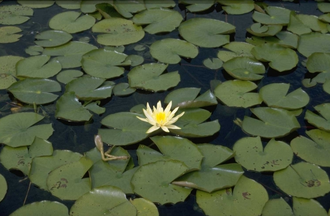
(3, 187)
(14, 14)
(126, 129)
(149, 77)
(158, 20)
(117, 32)
(237, 49)
(303, 180)
(325, 17)
(42, 166)
(52, 38)
(87, 6)
(323, 7)
(95, 108)
(280, 58)
(250, 153)
(67, 183)
(17, 129)
(103, 200)
(169, 50)
(258, 30)
(68, 107)
(153, 182)
(323, 121)
(314, 42)
(314, 150)
(308, 207)
(273, 122)
(90, 88)
(276, 95)
(69, 54)
(313, 23)
(41, 208)
(34, 50)
(276, 207)
(71, 22)
(37, 67)
(36, 4)
(206, 32)
(127, 8)
(212, 176)
(123, 89)
(275, 15)
(244, 68)
(318, 62)
(237, 8)
(35, 91)
(213, 63)
(161, 4)
(197, 6)
(135, 60)
(326, 86)
(296, 26)
(68, 75)
(145, 207)
(8, 34)
(283, 38)
(103, 63)
(107, 10)
(70, 4)
(248, 199)
(237, 93)
(188, 98)
(20, 158)
(8, 70)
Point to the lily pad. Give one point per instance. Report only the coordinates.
(275, 15)
(8, 70)
(17, 129)
(303, 180)
(282, 38)
(52, 38)
(41, 208)
(237, 93)
(308, 207)
(8, 34)
(145, 207)
(276, 207)
(103, 63)
(103, 200)
(237, 49)
(197, 6)
(280, 58)
(244, 68)
(37, 67)
(314, 42)
(69, 54)
(158, 20)
(36, 4)
(169, 50)
(250, 153)
(248, 199)
(117, 32)
(213, 63)
(313, 23)
(318, 62)
(123, 89)
(149, 77)
(14, 14)
(323, 7)
(323, 121)
(34, 50)
(296, 26)
(35, 91)
(70, 4)
(264, 31)
(162, 4)
(159, 176)
(276, 95)
(237, 8)
(134, 60)
(3, 187)
(326, 86)
(273, 122)
(206, 32)
(126, 129)
(71, 22)
(314, 150)
(127, 8)
(68, 75)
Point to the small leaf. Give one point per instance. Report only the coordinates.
(52, 38)
(14, 14)
(42, 208)
(8, 33)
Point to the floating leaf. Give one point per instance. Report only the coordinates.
(17, 129)
(117, 32)
(318, 62)
(250, 153)
(3, 187)
(296, 26)
(283, 38)
(37, 67)
(103, 63)
(14, 14)
(237, 93)
(103, 200)
(318, 121)
(145, 207)
(158, 20)
(68, 107)
(68, 75)
(162, 4)
(273, 122)
(280, 58)
(35, 91)
(135, 60)
(69, 54)
(8, 33)
(127, 129)
(264, 31)
(123, 89)
(314, 150)
(213, 63)
(34, 50)
(326, 86)
(194, 6)
(8, 70)
(70, 4)
(95, 108)
(159, 176)
(314, 42)
(276, 95)
(169, 50)
(128, 7)
(303, 180)
(237, 49)
(36, 4)
(277, 207)
(42, 208)
(275, 15)
(324, 7)
(206, 32)
(71, 22)
(149, 77)
(241, 7)
(307, 207)
(244, 68)
(52, 38)
(248, 199)
(313, 23)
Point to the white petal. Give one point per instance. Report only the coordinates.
(159, 107)
(149, 117)
(173, 127)
(173, 120)
(142, 119)
(173, 113)
(165, 129)
(168, 108)
(148, 109)
(152, 129)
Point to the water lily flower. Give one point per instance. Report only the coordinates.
(160, 118)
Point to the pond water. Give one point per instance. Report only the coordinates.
(79, 137)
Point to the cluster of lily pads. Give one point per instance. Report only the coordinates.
(173, 167)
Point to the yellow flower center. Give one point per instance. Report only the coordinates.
(160, 117)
